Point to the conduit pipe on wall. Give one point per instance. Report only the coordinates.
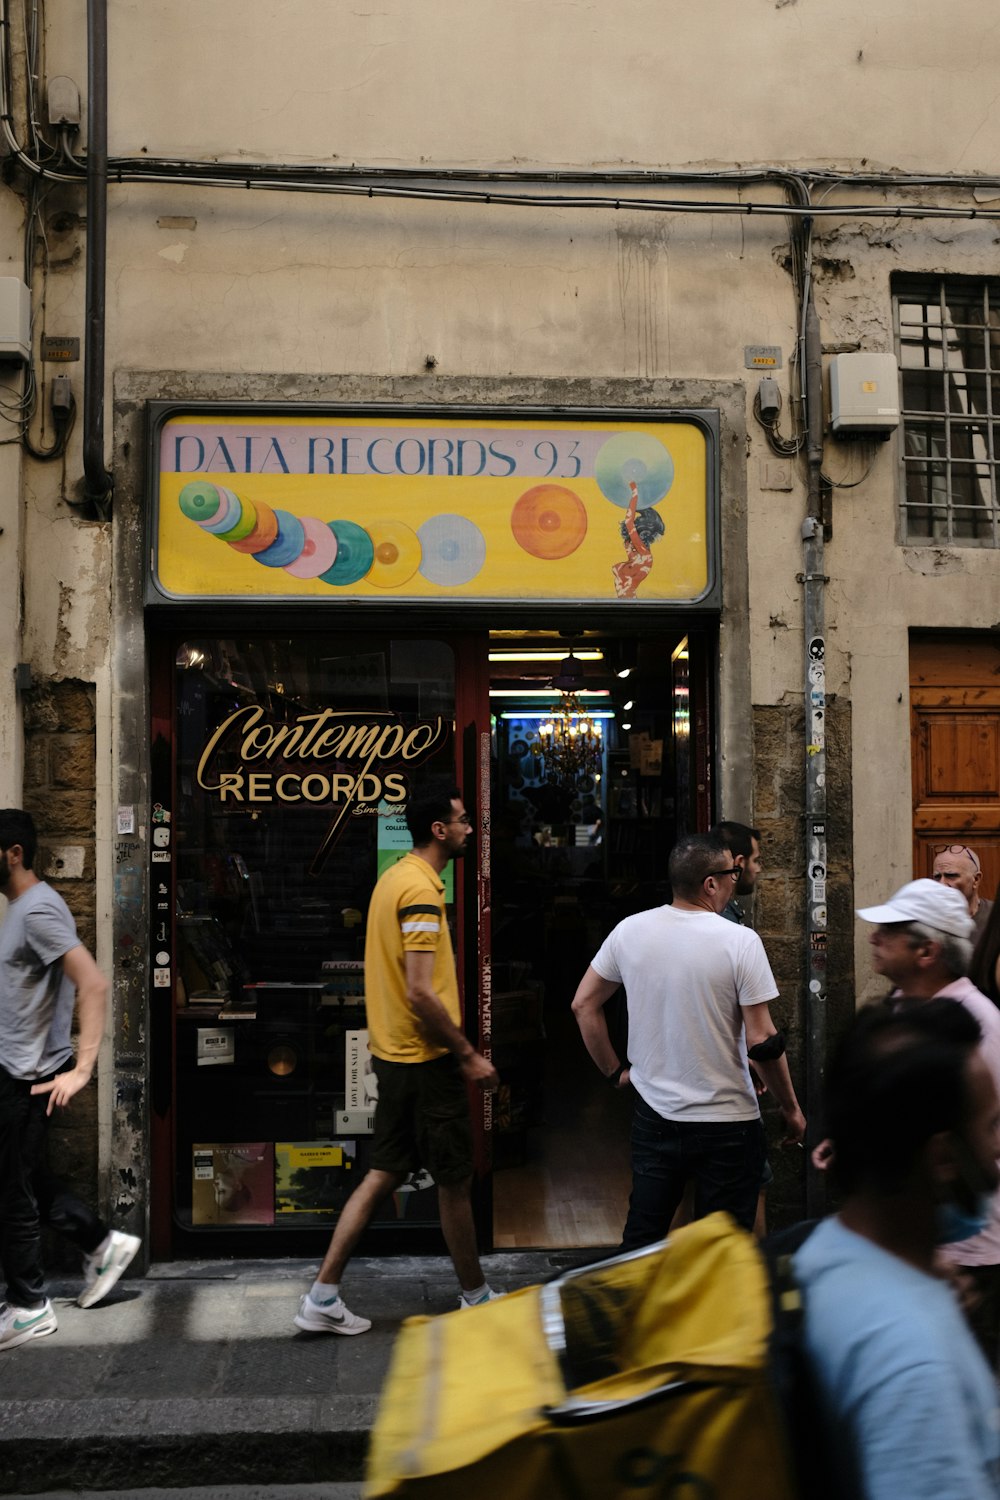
(814, 704)
(98, 482)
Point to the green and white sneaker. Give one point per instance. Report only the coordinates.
(19, 1324)
(488, 1296)
(102, 1269)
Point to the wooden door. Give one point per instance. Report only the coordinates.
(955, 745)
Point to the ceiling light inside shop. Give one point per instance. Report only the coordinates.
(629, 704)
(624, 671)
(531, 713)
(544, 655)
(544, 693)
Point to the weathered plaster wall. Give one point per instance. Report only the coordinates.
(350, 294)
(880, 590)
(648, 81)
(59, 792)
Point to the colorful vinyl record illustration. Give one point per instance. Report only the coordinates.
(265, 531)
(549, 521)
(454, 550)
(243, 527)
(397, 554)
(319, 550)
(228, 514)
(200, 502)
(634, 456)
(355, 554)
(287, 545)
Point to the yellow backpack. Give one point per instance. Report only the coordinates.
(646, 1375)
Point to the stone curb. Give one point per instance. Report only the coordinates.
(121, 1443)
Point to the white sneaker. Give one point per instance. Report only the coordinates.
(332, 1317)
(19, 1324)
(488, 1296)
(102, 1269)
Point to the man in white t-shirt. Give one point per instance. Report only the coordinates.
(922, 941)
(697, 989)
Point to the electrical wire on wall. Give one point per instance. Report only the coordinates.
(852, 484)
(58, 163)
(800, 197)
(784, 447)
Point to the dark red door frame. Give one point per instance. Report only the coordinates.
(473, 742)
(162, 1064)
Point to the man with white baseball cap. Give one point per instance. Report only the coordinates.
(922, 941)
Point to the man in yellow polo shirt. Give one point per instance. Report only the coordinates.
(423, 1060)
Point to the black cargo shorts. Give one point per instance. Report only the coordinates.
(422, 1119)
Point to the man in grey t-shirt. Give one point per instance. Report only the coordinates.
(45, 971)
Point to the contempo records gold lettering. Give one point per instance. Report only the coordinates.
(364, 751)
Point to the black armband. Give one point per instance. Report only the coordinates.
(767, 1051)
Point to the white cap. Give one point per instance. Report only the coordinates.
(927, 901)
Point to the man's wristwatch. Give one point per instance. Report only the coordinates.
(615, 1078)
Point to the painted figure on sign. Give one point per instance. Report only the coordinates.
(639, 529)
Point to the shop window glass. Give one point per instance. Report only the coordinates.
(292, 758)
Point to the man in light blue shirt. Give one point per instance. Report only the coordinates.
(914, 1117)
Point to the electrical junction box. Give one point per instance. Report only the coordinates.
(15, 319)
(864, 394)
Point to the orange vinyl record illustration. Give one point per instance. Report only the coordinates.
(265, 531)
(397, 554)
(549, 521)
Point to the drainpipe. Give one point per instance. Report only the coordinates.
(813, 587)
(98, 482)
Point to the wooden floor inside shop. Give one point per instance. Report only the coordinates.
(566, 1185)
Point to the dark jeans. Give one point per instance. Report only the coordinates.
(723, 1160)
(30, 1196)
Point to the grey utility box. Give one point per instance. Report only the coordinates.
(864, 394)
(15, 319)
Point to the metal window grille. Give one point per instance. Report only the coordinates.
(948, 344)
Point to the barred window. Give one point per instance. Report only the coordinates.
(948, 345)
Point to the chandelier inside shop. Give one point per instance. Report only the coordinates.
(569, 745)
(570, 740)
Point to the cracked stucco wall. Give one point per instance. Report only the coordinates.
(881, 590)
(356, 292)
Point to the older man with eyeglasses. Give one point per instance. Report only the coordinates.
(958, 866)
(697, 989)
(921, 941)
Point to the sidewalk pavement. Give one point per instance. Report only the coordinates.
(195, 1375)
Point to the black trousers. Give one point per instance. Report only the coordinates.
(723, 1159)
(30, 1196)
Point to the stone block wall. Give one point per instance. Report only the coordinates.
(779, 908)
(59, 792)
